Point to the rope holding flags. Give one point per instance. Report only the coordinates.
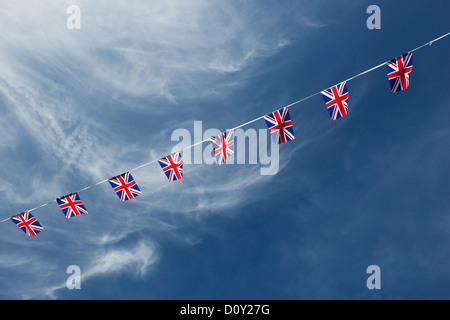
(279, 124)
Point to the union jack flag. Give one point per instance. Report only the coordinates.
(172, 166)
(125, 186)
(223, 146)
(336, 100)
(28, 223)
(71, 205)
(280, 126)
(398, 71)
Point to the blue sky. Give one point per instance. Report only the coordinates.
(80, 106)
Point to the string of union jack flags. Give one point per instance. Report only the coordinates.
(279, 124)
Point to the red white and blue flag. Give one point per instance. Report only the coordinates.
(336, 100)
(223, 146)
(398, 71)
(172, 166)
(71, 205)
(124, 186)
(28, 223)
(280, 126)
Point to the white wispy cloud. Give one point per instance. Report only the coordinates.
(106, 262)
(138, 259)
(65, 95)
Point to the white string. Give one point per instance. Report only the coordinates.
(239, 126)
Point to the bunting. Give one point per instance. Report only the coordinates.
(279, 124)
(124, 186)
(336, 100)
(28, 223)
(223, 146)
(71, 205)
(172, 166)
(398, 71)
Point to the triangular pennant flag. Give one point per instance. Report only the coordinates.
(71, 205)
(336, 100)
(280, 126)
(28, 223)
(124, 186)
(172, 166)
(398, 71)
(223, 146)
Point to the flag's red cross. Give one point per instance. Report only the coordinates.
(338, 100)
(125, 187)
(401, 72)
(72, 205)
(174, 166)
(280, 125)
(223, 146)
(28, 224)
